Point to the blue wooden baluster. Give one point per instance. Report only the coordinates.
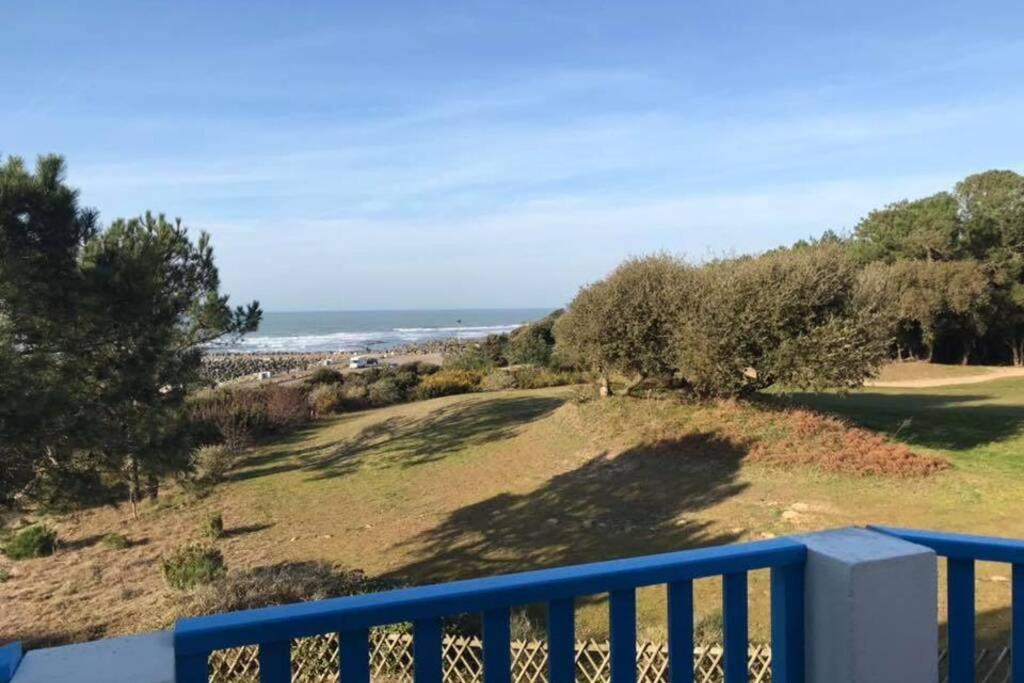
(426, 651)
(622, 616)
(192, 668)
(562, 641)
(960, 600)
(680, 632)
(734, 616)
(276, 661)
(497, 646)
(788, 624)
(1017, 625)
(355, 656)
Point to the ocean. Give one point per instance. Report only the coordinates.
(328, 331)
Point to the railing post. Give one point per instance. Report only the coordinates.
(10, 657)
(870, 609)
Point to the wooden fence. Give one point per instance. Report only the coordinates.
(315, 660)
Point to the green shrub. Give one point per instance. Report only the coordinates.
(538, 378)
(497, 380)
(192, 565)
(116, 541)
(212, 463)
(5, 575)
(213, 525)
(355, 397)
(473, 359)
(326, 399)
(385, 392)
(447, 383)
(37, 540)
(325, 376)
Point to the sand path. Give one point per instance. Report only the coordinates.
(988, 375)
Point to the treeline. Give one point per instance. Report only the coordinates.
(940, 278)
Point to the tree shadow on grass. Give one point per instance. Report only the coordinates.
(610, 507)
(406, 442)
(953, 422)
(401, 441)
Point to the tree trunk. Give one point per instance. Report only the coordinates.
(134, 487)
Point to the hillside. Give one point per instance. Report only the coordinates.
(498, 482)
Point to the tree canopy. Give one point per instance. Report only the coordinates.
(101, 334)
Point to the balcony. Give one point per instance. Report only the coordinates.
(850, 605)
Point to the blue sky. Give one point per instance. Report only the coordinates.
(419, 154)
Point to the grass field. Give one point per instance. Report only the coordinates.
(490, 483)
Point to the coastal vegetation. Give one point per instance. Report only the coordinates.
(493, 482)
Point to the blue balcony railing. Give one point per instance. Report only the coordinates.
(274, 628)
(961, 552)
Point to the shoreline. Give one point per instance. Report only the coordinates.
(230, 366)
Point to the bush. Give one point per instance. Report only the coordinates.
(497, 380)
(213, 525)
(355, 397)
(237, 416)
(212, 463)
(538, 378)
(278, 584)
(116, 541)
(385, 392)
(5, 575)
(326, 399)
(447, 383)
(286, 408)
(37, 540)
(325, 376)
(193, 565)
(474, 359)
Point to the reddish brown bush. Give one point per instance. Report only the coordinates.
(829, 444)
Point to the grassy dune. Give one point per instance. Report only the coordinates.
(490, 483)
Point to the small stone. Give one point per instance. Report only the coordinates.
(790, 515)
(293, 538)
(552, 520)
(800, 507)
(999, 579)
(328, 536)
(766, 535)
(737, 530)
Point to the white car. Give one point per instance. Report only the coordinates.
(357, 362)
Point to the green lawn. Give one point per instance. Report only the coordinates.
(979, 426)
(500, 482)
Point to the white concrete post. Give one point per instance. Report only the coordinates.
(870, 609)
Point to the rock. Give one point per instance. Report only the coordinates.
(293, 538)
(552, 520)
(737, 530)
(766, 535)
(790, 515)
(998, 579)
(800, 507)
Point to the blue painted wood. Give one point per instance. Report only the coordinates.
(10, 658)
(275, 662)
(622, 627)
(191, 668)
(680, 631)
(964, 546)
(734, 616)
(1017, 625)
(203, 634)
(787, 624)
(355, 656)
(562, 641)
(960, 601)
(426, 651)
(497, 646)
